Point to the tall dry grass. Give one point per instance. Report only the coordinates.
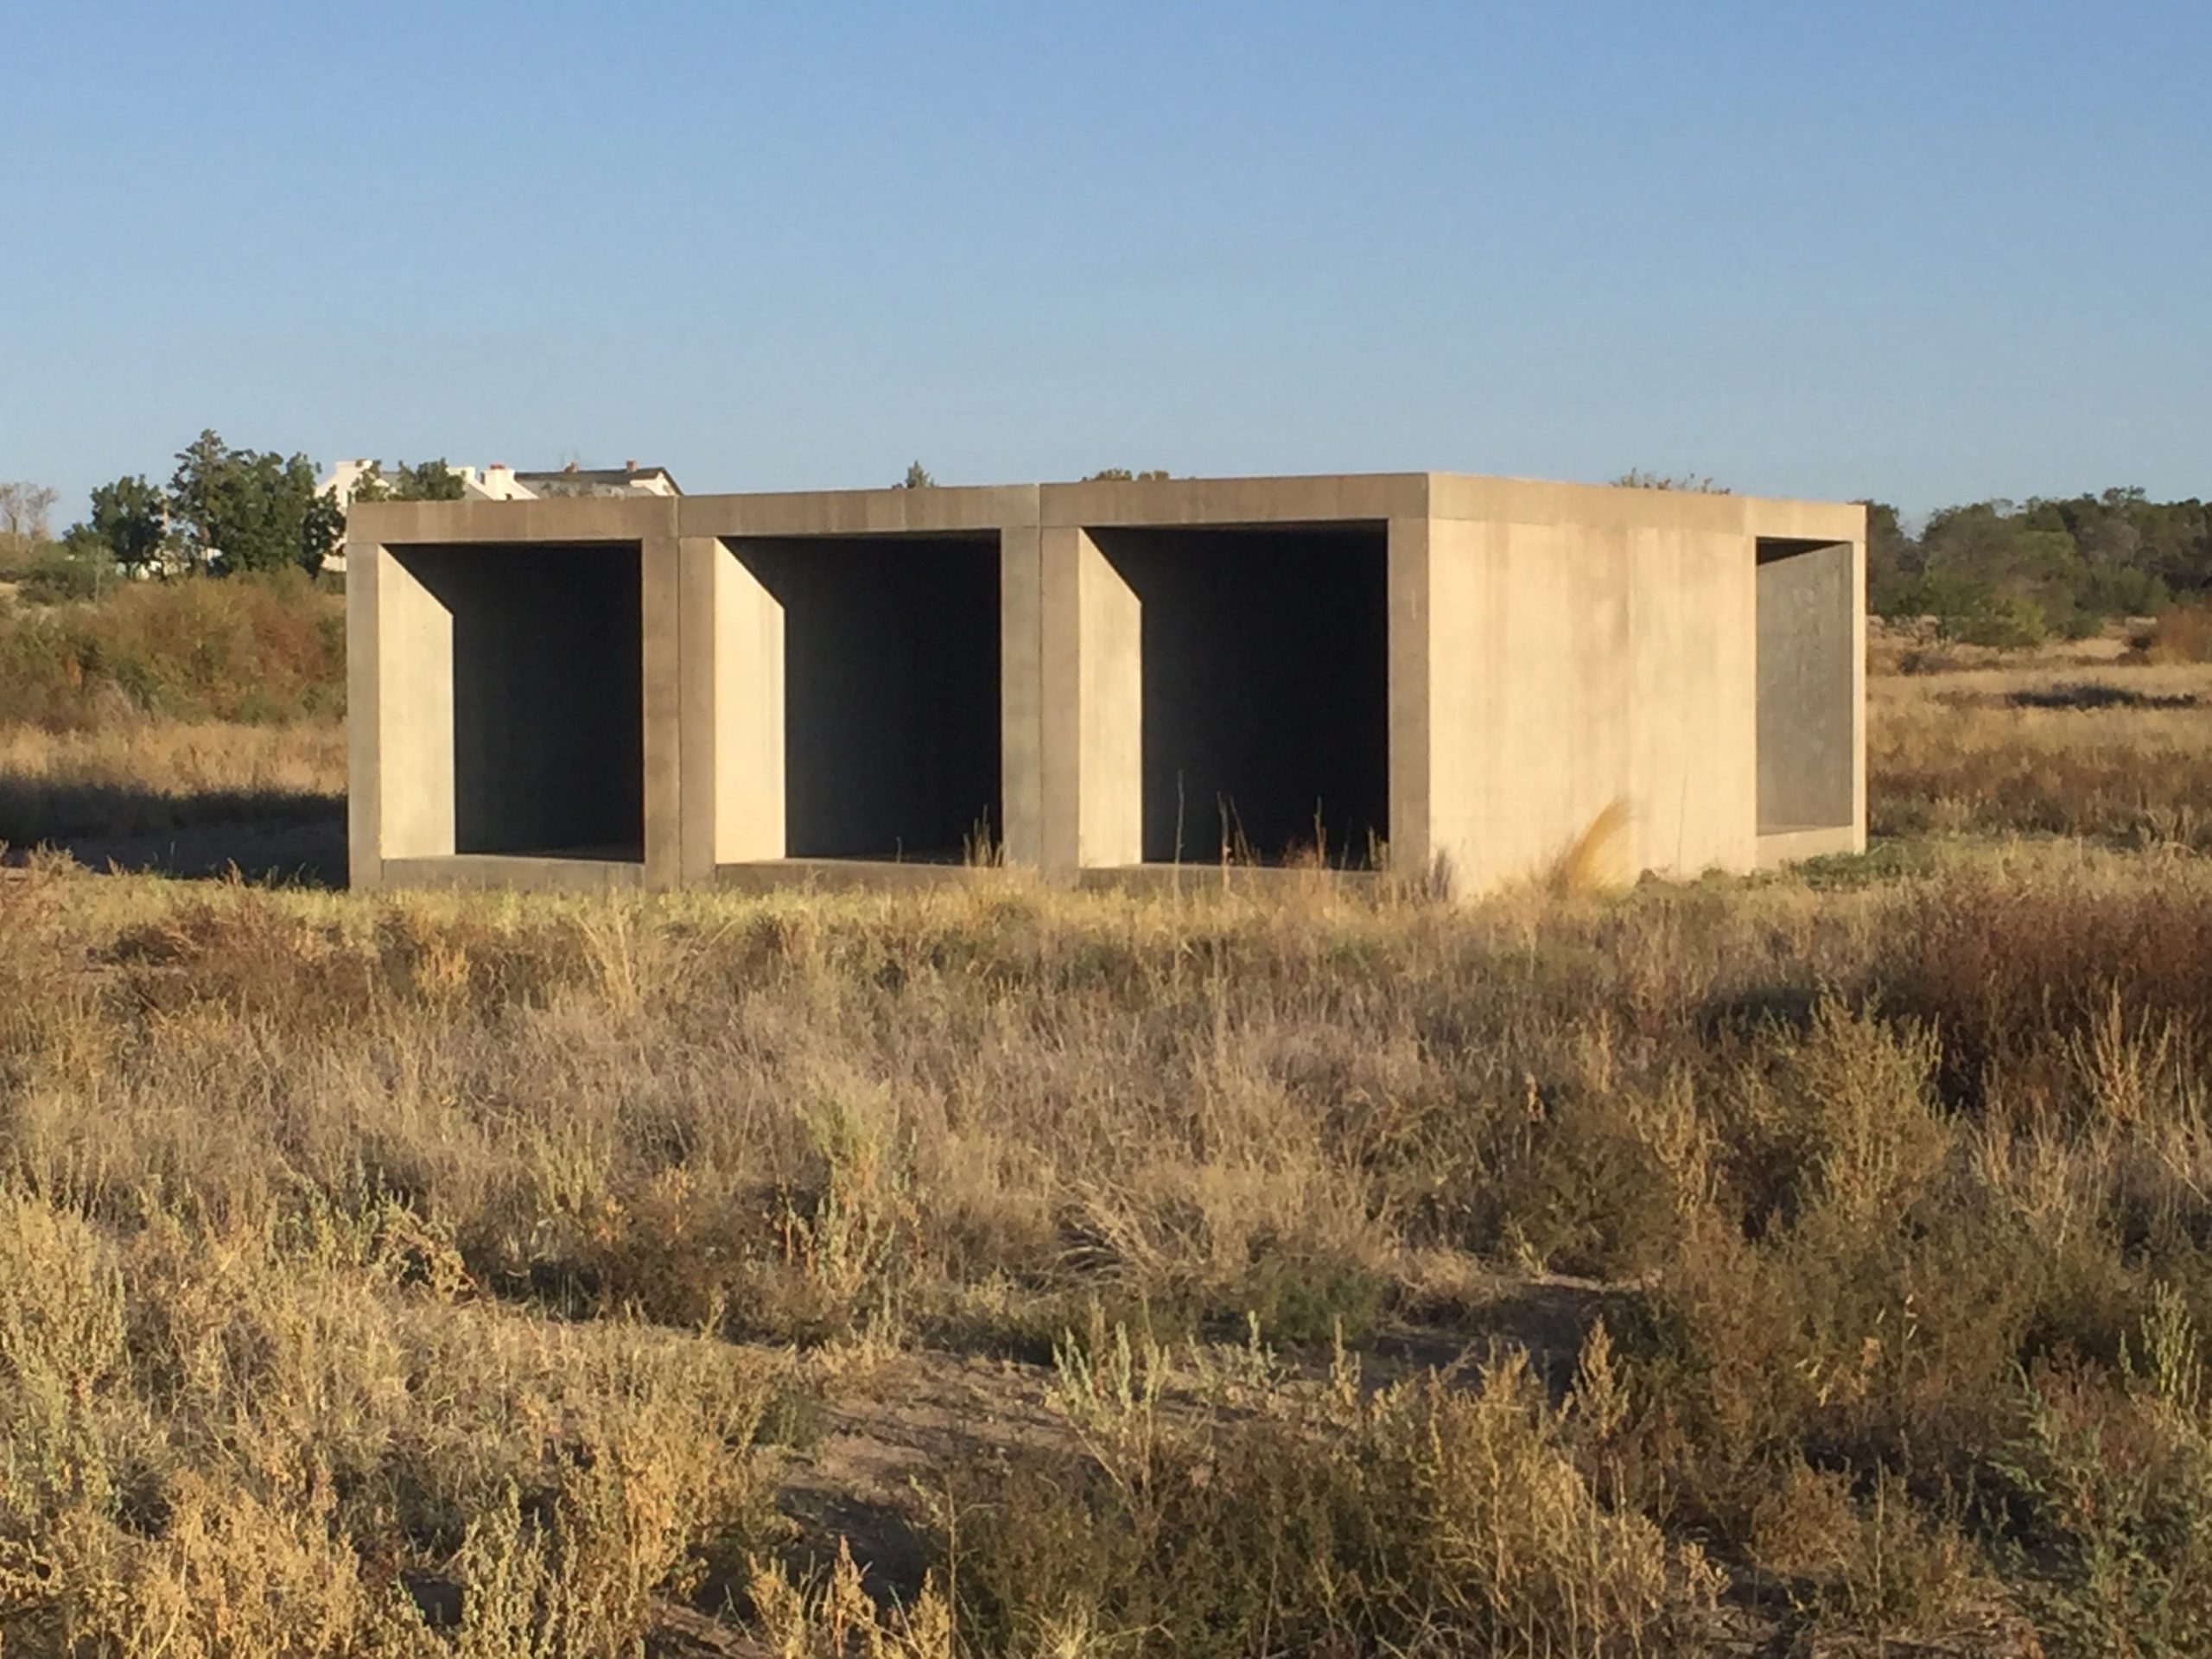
(1782, 1264)
(1879, 1189)
(252, 649)
(199, 713)
(135, 776)
(2117, 752)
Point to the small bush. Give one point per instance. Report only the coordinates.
(57, 578)
(2183, 634)
(1423, 1518)
(2003, 620)
(2112, 1473)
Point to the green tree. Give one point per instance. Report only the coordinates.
(2020, 556)
(1892, 558)
(1972, 613)
(200, 491)
(2122, 535)
(128, 524)
(432, 480)
(917, 478)
(250, 510)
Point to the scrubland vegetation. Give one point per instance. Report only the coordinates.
(263, 650)
(1818, 1263)
(144, 726)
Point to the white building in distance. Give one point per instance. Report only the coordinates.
(500, 482)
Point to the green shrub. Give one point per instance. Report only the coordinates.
(1970, 613)
(58, 578)
(2004, 620)
(2112, 1476)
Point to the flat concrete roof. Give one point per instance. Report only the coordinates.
(1158, 503)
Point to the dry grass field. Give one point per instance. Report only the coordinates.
(1807, 1264)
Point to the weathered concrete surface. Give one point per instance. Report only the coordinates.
(888, 658)
(1809, 653)
(533, 656)
(1091, 707)
(1486, 674)
(1262, 687)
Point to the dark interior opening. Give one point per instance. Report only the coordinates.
(1807, 602)
(547, 696)
(891, 692)
(1265, 722)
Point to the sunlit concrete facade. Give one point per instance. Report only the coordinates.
(1460, 680)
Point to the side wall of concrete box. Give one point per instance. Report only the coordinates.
(1812, 781)
(1592, 685)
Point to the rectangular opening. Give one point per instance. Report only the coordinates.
(857, 679)
(1808, 601)
(1264, 725)
(542, 645)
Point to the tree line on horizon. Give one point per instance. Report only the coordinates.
(2002, 573)
(2005, 572)
(223, 510)
(1993, 572)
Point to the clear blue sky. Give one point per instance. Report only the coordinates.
(1926, 251)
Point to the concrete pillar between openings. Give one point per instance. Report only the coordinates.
(1021, 718)
(1093, 677)
(363, 760)
(661, 699)
(748, 716)
(1414, 848)
(413, 713)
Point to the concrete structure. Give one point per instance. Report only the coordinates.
(1459, 679)
(500, 482)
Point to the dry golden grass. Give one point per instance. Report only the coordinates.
(1834, 1162)
(261, 648)
(1997, 750)
(134, 776)
(1799, 1261)
(185, 799)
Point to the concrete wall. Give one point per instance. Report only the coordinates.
(1807, 663)
(1090, 704)
(1262, 677)
(542, 686)
(1590, 689)
(887, 694)
(1589, 696)
(1493, 673)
